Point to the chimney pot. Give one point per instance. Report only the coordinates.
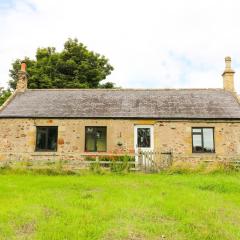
(228, 76)
(228, 62)
(23, 66)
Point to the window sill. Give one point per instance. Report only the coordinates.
(96, 153)
(205, 153)
(45, 153)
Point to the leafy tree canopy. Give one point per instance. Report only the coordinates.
(74, 67)
(4, 94)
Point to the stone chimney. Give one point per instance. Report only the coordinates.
(228, 76)
(22, 78)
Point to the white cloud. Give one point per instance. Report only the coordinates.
(151, 43)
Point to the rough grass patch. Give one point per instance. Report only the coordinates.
(183, 167)
(42, 171)
(227, 187)
(27, 228)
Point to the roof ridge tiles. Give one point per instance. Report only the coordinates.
(123, 89)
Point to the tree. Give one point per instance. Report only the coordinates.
(4, 94)
(74, 67)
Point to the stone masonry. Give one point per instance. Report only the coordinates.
(18, 137)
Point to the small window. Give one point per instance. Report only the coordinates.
(46, 139)
(95, 139)
(203, 140)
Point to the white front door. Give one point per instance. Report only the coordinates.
(143, 138)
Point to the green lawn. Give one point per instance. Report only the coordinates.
(111, 207)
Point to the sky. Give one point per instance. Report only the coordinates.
(150, 43)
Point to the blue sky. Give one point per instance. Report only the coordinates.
(150, 43)
(6, 4)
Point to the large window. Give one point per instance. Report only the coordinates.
(95, 139)
(203, 140)
(46, 139)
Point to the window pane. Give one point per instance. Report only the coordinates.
(196, 130)
(90, 139)
(41, 138)
(143, 137)
(208, 140)
(101, 139)
(52, 138)
(197, 143)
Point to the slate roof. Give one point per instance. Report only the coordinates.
(124, 103)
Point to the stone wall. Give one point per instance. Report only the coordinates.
(18, 137)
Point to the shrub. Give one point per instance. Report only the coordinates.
(5, 166)
(111, 158)
(51, 171)
(90, 158)
(122, 166)
(22, 169)
(117, 164)
(179, 168)
(221, 167)
(95, 167)
(59, 165)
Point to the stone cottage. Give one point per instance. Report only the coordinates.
(192, 124)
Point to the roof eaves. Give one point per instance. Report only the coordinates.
(127, 118)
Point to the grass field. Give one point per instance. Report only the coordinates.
(130, 207)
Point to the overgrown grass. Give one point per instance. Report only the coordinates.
(202, 168)
(112, 206)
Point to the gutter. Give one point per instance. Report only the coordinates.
(158, 119)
